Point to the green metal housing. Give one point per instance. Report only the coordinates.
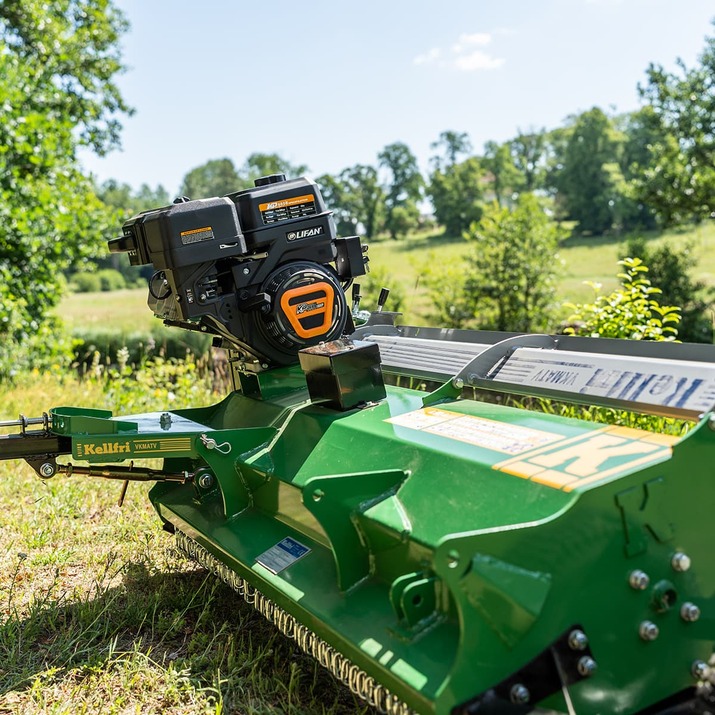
(443, 545)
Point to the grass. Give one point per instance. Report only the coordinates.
(584, 259)
(98, 613)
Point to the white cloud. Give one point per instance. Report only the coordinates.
(477, 38)
(477, 60)
(429, 57)
(462, 55)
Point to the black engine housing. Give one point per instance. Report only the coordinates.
(262, 269)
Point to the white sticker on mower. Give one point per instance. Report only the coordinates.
(479, 431)
(282, 555)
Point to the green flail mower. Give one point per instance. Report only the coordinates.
(437, 554)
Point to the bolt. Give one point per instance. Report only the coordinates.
(586, 666)
(639, 580)
(648, 631)
(246, 271)
(47, 470)
(578, 640)
(206, 480)
(700, 669)
(458, 383)
(680, 561)
(689, 612)
(202, 297)
(519, 694)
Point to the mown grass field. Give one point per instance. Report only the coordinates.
(405, 261)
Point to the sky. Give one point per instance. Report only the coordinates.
(328, 84)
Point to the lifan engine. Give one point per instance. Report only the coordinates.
(262, 269)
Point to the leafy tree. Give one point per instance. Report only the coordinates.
(680, 182)
(127, 201)
(365, 196)
(505, 177)
(257, 165)
(631, 311)
(356, 199)
(589, 180)
(508, 277)
(457, 194)
(452, 144)
(404, 187)
(335, 196)
(528, 154)
(58, 61)
(214, 178)
(670, 270)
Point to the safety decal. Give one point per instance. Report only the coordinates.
(478, 431)
(282, 555)
(591, 457)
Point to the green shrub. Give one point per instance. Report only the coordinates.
(86, 282)
(630, 312)
(111, 279)
(160, 341)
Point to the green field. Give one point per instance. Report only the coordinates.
(584, 259)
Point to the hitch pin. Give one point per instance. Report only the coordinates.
(24, 422)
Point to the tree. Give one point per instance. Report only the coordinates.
(258, 164)
(509, 275)
(335, 196)
(589, 178)
(452, 144)
(404, 187)
(680, 182)
(364, 196)
(528, 153)
(58, 61)
(505, 178)
(214, 178)
(127, 201)
(356, 199)
(457, 194)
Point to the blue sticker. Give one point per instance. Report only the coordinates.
(282, 555)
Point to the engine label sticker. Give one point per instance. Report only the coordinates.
(294, 207)
(282, 555)
(479, 431)
(197, 234)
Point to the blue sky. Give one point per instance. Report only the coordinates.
(328, 84)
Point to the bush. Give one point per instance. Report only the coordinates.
(111, 279)
(169, 343)
(86, 282)
(106, 279)
(631, 311)
(669, 270)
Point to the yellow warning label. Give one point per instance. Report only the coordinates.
(283, 203)
(196, 230)
(589, 458)
(479, 431)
